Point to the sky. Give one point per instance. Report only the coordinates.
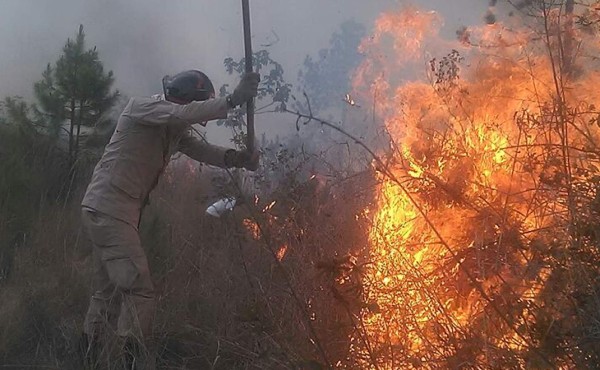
(142, 40)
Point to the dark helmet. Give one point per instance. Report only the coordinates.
(189, 86)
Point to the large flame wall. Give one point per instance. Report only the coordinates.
(486, 135)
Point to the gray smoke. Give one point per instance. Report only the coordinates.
(142, 40)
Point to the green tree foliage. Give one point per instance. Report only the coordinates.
(272, 81)
(272, 87)
(40, 143)
(31, 172)
(51, 104)
(75, 89)
(325, 78)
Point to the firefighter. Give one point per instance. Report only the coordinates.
(148, 132)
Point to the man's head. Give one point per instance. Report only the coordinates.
(188, 86)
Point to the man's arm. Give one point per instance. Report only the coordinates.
(150, 111)
(201, 111)
(201, 151)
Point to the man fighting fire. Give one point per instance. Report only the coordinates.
(148, 132)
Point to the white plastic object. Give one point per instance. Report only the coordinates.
(218, 208)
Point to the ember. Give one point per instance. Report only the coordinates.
(281, 252)
(252, 228)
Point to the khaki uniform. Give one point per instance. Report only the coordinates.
(148, 132)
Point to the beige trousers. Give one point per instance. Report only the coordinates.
(123, 298)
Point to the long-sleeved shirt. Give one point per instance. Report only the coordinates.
(148, 132)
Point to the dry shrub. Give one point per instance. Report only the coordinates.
(43, 299)
(225, 299)
(228, 300)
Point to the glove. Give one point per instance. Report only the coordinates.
(242, 159)
(246, 89)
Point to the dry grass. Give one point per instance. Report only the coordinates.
(224, 300)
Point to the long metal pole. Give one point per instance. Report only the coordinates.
(248, 59)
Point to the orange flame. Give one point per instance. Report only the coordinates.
(252, 227)
(281, 252)
(450, 232)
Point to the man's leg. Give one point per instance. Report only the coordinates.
(105, 304)
(132, 276)
(126, 266)
(104, 307)
(137, 312)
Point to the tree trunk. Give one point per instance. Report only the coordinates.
(71, 134)
(79, 119)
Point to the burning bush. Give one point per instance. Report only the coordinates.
(481, 248)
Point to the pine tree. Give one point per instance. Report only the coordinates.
(52, 113)
(75, 92)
